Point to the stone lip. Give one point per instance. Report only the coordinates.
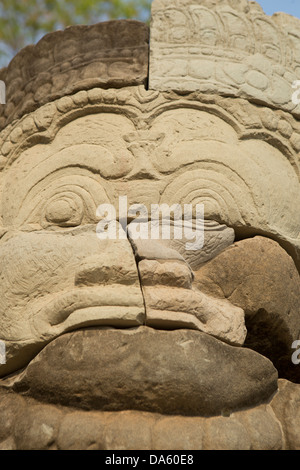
(171, 372)
(108, 54)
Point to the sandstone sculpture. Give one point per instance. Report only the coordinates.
(228, 48)
(144, 344)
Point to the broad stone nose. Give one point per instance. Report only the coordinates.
(172, 301)
(108, 268)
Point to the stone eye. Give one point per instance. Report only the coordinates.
(64, 211)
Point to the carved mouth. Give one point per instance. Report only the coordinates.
(110, 329)
(115, 305)
(109, 305)
(148, 370)
(164, 295)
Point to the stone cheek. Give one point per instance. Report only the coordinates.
(258, 276)
(66, 280)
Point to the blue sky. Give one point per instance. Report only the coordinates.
(288, 6)
(272, 6)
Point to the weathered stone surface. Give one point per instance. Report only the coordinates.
(170, 299)
(172, 302)
(87, 282)
(264, 429)
(255, 429)
(64, 429)
(36, 427)
(114, 370)
(286, 406)
(216, 238)
(169, 307)
(168, 273)
(258, 276)
(226, 434)
(8, 444)
(76, 135)
(82, 431)
(190, 154)
(171, 433)
(11, 405)
(154, 250)
(112, 54)
(130, 430)
(227, 47)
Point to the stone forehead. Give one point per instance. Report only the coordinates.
(276, 127)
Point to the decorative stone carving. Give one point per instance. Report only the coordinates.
(69, 280)
(99, 334)
(208, 150)
(227, 47)
(113, 54)
(216, 238)
(30, 425)
(72, 370)
(171, 300)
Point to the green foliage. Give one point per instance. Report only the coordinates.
(24, 22)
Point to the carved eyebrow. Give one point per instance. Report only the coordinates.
(91, 157)
(82, 181)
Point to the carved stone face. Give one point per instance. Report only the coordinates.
(58, 276)
(69, 300)
(151, 343)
